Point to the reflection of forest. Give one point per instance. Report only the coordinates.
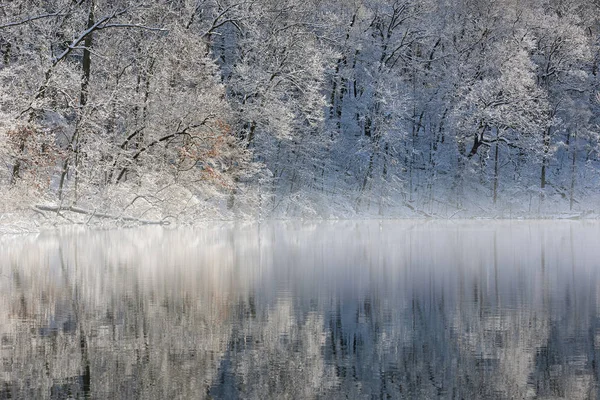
(116, 315)
(345, 310)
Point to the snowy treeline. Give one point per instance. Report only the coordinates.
(194, 108)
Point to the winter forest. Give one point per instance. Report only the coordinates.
(184, 110)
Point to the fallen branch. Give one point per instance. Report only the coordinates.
(92, 213)
(37, 210)
(414, 209)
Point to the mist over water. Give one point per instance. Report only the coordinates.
(478, 309)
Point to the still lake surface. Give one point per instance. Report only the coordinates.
(303, 310)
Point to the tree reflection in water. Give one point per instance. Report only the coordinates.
(303, 310)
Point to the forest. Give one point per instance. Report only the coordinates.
(188, 110)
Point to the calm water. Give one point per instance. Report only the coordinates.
(459, 310)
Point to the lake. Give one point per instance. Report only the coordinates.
(301, 310)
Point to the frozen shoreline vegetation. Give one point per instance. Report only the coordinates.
(128, 112)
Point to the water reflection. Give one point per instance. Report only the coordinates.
(303, 310)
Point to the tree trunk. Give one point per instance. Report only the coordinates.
(573, 170)
(496, 169)
(7, 54)
(546, 149)
(83, 99)
(85, 81)
(16, 169)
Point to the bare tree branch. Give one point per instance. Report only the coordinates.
(149, 28)
(183, 132)
(217, 22)
(30, 19)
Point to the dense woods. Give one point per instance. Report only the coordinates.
(191, 109)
